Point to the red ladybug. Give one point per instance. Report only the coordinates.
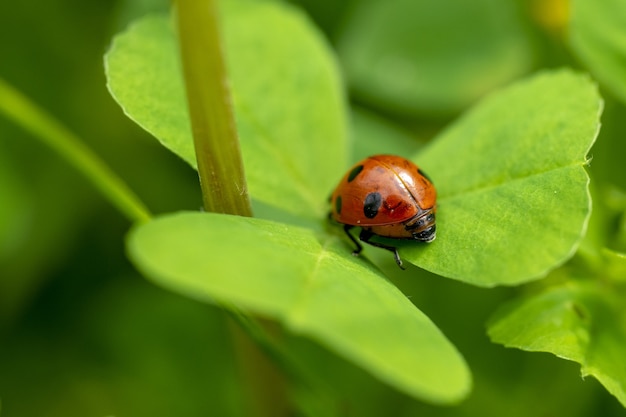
(386, 196)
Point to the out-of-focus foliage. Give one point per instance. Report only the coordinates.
(597, 36)
(424, 57)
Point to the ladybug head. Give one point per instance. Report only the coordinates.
(423, 227)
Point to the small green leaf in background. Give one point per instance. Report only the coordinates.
(580, 321)
(598, 37)
(513, 198)
(428, 57)
(373, 135)
(309, 284)
(614, 265)
(600, 249)
(581, 317)
(287, 96)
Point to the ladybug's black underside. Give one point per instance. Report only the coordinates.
(426, 235)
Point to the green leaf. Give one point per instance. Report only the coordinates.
(15, 212)
(513, 198)
(614, 267)
(375, 135)
(620, 233)
(580, 321)
(287, 96)
(600, 247)
(598, 37)
(307, 283)
(432, 57)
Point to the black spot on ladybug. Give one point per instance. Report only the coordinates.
(338, 204)
(372, 203)
(355, 171)
(423, 174)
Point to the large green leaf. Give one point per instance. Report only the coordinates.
(581, 321)
(598, 36)
(287, 97)
(306, 282)
(513, 192)
(420, 56)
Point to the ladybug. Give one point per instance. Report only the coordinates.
(386, 196)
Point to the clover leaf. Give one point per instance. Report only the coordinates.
(306, 282)
(582, 321)
(290, 114)
(513, 191)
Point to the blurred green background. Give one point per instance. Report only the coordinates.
(82, 334)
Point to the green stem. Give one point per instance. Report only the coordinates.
(305, 386)
(221, 173)
(220, 167)
(25, 113)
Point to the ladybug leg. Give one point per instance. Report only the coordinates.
(365, 237)
(359, 247)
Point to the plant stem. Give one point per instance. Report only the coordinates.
(27, 114)
(263, 380)
(221, 173)
(304, 384)
(220, 167)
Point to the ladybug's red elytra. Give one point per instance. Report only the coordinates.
(386, 196)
